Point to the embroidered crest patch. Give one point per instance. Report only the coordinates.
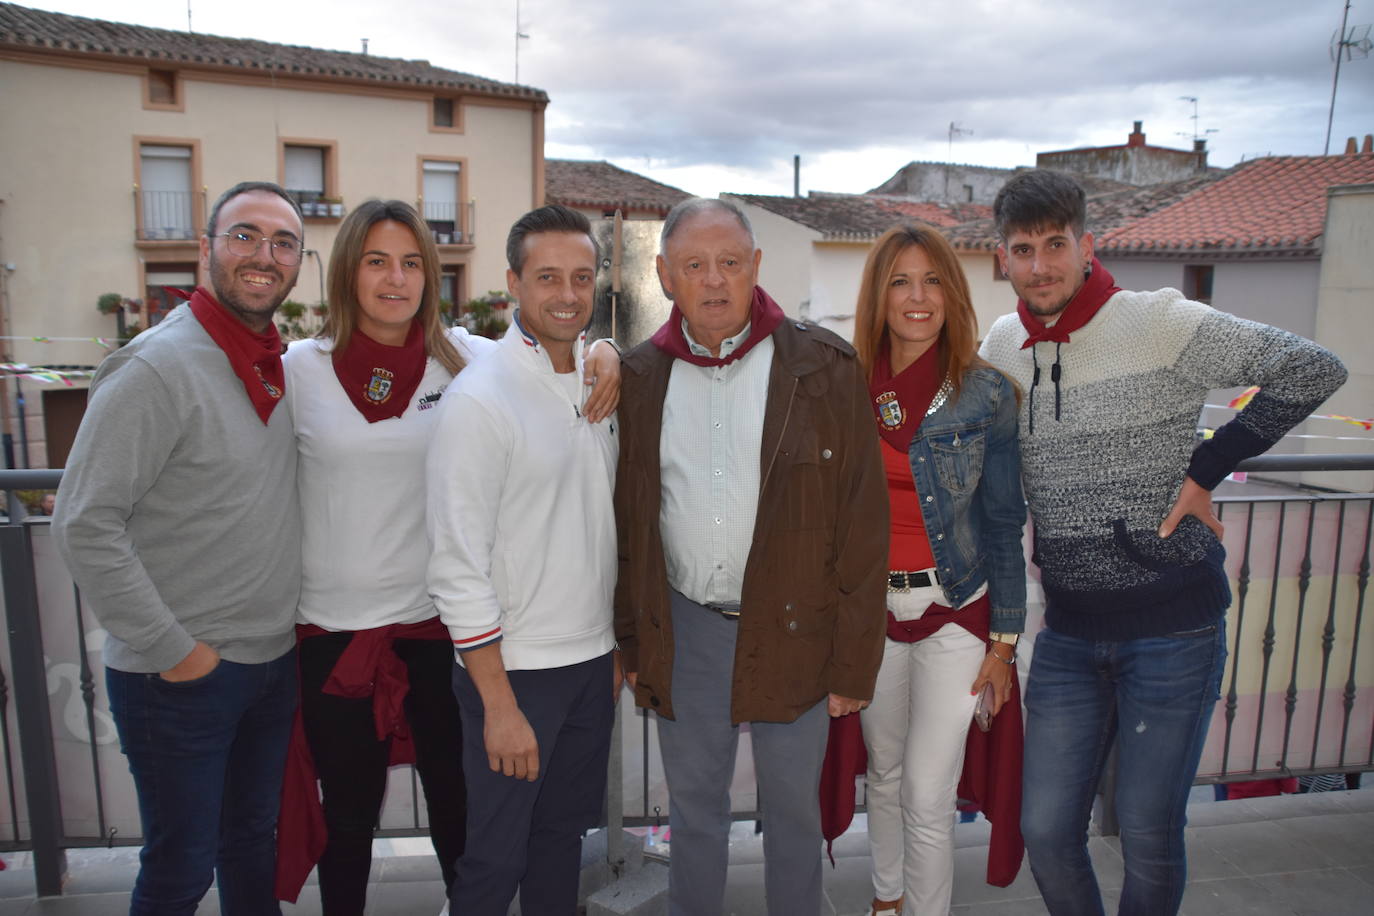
(273, 391)
(379, 389)
(890, 411)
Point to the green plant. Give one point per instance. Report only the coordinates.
(480, 314)
(320, 309)
(109, 303)
(291, 310)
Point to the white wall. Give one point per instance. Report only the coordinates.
(67, 215)
(1345, 325)
(785, 271)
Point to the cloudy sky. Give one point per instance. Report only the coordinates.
(717, 96)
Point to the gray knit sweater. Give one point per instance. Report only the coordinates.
(1105, 450)
(177, 513)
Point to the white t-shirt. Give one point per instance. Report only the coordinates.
(362, 491)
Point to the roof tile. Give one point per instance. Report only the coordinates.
(37, 29)
(861, 217)
(1277, 202)
(586, 183)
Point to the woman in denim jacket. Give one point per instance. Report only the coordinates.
(957, 591)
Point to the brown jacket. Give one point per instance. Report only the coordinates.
(816, 577)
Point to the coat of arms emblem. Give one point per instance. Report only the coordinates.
(890, 411)
(379, 389)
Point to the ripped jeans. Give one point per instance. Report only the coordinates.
(1153, 698)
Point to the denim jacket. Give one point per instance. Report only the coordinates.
(967, 467)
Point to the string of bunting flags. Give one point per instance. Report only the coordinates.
(44, 374)
(107, 342)
(1240, 400)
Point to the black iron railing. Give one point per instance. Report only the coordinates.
(1299, 561)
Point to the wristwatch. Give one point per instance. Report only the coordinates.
(1008, 638)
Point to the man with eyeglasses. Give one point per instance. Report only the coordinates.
(178, 520)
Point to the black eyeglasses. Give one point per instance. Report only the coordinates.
(285, 251)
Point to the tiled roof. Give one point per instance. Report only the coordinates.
(1271, 205)
(1107, 212)
(36, 30)
(860, 217)
(586, 183)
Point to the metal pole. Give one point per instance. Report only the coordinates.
(615, 803)
(1340, 46)
(31, 705)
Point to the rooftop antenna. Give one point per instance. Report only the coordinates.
(518, 35)
(954, 131)
(188, 16)
(1195, 134)
(1352, 44)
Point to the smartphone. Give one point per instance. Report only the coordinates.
(982, 711)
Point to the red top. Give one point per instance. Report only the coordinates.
(910, 550)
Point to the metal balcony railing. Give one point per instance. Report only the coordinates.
(167, 215)
(1297, 698)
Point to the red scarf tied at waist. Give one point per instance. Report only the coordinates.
(368, 667)
(764, 317)
(991, 777)
(1091, 296)
(255, 358)
(900, 402)
(380, 379)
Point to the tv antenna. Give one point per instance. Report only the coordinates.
(1351, 44)
(1195, 134)
(956, 131)
(518, 35)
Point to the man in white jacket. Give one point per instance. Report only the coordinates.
(522, 571)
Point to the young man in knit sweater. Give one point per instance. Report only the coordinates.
(178, 519)
(1125, 537)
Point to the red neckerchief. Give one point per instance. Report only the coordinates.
(900, 403)
(764, 317)
(379, 379)
(255, 358)
(1091, 296)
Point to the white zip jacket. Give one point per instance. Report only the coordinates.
(520, 522)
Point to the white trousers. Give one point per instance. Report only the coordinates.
(915, 730)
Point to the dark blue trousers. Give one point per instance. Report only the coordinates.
(207, 758)
(528, 835)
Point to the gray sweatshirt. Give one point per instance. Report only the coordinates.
(177, 514)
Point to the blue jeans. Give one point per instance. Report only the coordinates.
(207, 757)
(1161, 690)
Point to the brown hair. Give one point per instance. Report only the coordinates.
(342, 317)
(958, 341)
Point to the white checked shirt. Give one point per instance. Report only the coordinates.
(709, 451)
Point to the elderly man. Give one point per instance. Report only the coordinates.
(752, 523)
(178, 519)
(1129, 551)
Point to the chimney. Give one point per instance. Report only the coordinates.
(1200, 149)
(796, 175)
(1350, 146)
(1368, 144)
(1136, 138)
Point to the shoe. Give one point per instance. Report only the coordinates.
(887, 906)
